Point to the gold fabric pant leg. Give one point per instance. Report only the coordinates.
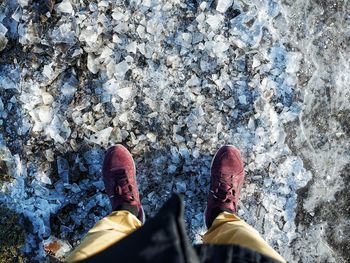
(228, 228)
(105, 233)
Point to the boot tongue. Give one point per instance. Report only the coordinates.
(119, 176)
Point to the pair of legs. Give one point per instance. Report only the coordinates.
(224, 226)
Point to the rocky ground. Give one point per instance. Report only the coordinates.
(173, 81)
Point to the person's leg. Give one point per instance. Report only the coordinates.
(224, 227)
(119, 176)
(228, 228)
(105, 233)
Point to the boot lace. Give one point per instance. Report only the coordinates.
(123, 190)
(224, 191)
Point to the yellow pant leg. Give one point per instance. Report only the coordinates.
(230, 229)
(105, 233)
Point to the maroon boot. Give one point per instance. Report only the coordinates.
(119, 176)
(227, 177)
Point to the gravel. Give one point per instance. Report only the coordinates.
(173, 81)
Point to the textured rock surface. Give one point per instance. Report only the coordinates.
(173, 81)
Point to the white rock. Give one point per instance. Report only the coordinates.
(110, 68)
(151, 26)
(141, 48)
(101, 137)
(65, 7)
(193, 81)
(203, 6)
(118, 16)
(220, 47)
(132, 47)
(59, 131)
(219, 128)
(44, 114)
(183, 150)
(124, 93)
(103, 4)
(64, 34)
(48, 71)
(186, 39)
(200, 18)
(89, 36)
(195, 153)
(251, 124)
(23, 3)
(147, 3)
(293, 62)
(68, 90)
(121, 69)
(223, 5)
(242, 99)
(256, 62)
(129, 59)
(3, 42)
(106, 54)
(42, 177)
(3, 30)
(141, 31)
(288, 116)
(91, 64)
(50, 156)
(116, 39)
(77, 52)
(214, 21)
(124, 117)
(151, 136)
(17, 15)
(47, 98)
